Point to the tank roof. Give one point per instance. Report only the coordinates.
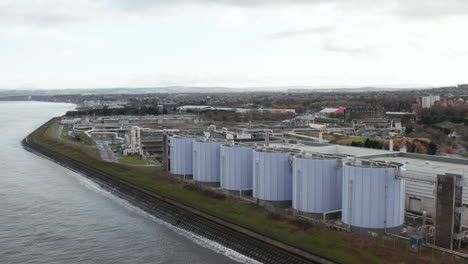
(373, 164)
(211, 140)
(183, 137)
(277, 150)
(319, 156)
(238, 144)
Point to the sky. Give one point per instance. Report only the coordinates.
(57, 44)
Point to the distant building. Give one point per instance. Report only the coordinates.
(278, 110)
(379, 125)
(193, 107)
(328, 111)
(238, 110)
(363, 112)
(167, 106)
(317, 126)
(405, 117)
(429, 101)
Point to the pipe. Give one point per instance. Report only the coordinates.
(330, 212)
(350, 197)
(267, 136)
(385, 200)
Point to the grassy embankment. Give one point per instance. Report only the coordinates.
(136, 161)
(64, 136)
(357, 140)
(447, 125)
(341, 246)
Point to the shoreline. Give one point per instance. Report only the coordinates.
(248, 242)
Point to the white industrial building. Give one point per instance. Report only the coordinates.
(420, 172)
(372, 189)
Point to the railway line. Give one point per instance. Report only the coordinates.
(246, 241)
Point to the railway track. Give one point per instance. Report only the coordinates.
(248, 242)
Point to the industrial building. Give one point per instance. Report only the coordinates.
(367, 190)
(363, 112)
(420, 171)
(381, 126)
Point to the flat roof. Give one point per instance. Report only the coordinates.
(428, 167)
(399, 113)
(334, 149)
(423, 164)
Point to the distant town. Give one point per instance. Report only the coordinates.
(427, 121)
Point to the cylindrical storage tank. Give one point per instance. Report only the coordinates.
(236, 168)
(206, 162)
(272, 177)
(373, 198)
(317, 186)
(181, 151)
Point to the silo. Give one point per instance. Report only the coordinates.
(373, 197)
(206, 162)
(317, 185)
(181, 151)
(236, 168)
(272, 176)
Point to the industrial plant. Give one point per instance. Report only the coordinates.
(362, 190)
(294, 170)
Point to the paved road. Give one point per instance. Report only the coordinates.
(106, 153)
(59, 131)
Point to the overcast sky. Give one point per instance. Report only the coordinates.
(238, 43)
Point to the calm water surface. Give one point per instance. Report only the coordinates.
(49, 214)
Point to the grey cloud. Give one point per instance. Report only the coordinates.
(411, 9)
(58, 12)
(301, 32)
(333, 47)
(420, 9)
(46, 13)
(239, 3)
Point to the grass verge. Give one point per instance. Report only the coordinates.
(136, 161)
(447, 125)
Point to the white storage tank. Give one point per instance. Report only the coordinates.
(317, 185)
(272, 176)
(181, 151)
(206, 162)
(236, 168)
(373, 198)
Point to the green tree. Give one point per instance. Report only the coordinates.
(431, 148)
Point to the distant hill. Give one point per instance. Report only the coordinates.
(194, 89)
